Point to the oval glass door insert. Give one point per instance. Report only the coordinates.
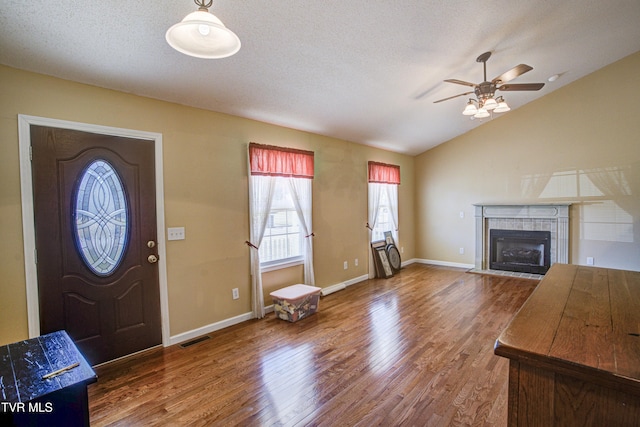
(101, 218)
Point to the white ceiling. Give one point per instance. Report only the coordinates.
(363, 71)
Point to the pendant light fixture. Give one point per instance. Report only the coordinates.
(203, 35)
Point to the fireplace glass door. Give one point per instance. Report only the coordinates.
(520, 251)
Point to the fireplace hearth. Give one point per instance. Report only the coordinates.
(520, 251)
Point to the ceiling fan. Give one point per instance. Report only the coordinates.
(485, 91)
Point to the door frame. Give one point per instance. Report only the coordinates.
(28, 224)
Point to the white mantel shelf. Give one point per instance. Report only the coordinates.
(555, 213)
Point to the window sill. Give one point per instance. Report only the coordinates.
(279, 265)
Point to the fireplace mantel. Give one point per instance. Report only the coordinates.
(551, 217)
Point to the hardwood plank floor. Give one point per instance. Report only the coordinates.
(415, 349)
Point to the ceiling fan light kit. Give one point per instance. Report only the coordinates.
(486, 102)
(502, 106)
(490, 103)
(470, 109)
(202, 35)
(482, 113)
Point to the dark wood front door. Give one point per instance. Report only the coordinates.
(95, 227)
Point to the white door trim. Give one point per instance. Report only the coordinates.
(28, 221)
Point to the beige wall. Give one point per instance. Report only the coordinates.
(580, 144)
(205, 191)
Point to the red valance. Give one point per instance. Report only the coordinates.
(383, 173)
(278, 161)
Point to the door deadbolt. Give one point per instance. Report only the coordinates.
(151, 244)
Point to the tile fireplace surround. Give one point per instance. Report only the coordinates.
(535, 217)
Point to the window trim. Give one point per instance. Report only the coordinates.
(281, 264)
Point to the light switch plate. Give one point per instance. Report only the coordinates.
(175, 233)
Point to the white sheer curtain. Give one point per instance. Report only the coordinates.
(392, 195)
(375, 189)
(260, 197)
(301, 193)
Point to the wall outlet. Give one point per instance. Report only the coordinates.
(401, 249)
(175, 233)
(590, 260)
(461, 214)
(235, 293)
(355, 262)
(346, 265)
(461, 251)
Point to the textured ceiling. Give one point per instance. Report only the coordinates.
(363, 71)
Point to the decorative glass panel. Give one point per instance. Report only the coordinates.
(101, 218)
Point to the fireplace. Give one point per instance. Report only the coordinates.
(519, 220)
(520, 250)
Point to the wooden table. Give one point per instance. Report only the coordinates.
(43, 381)
(574, 350)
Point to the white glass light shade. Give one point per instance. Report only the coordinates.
(203, 35)
(482, 113)
(470, 109)
(502, 107)
(490, 104)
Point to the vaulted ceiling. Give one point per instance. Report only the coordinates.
(363, 71)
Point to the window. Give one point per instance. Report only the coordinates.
(282, 240)
(382, 215)
(280, 226)
(384, 221)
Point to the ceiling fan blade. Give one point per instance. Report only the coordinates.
(451, 97)
(460, 82)
(516, 71)
(521, 86)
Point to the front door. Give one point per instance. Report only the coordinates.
(95, 232)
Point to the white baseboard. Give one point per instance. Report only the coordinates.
(194, 333)
(409, 262)
(445, 263)
(333, 288)
(340, 286)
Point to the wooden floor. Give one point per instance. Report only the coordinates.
(415, 350)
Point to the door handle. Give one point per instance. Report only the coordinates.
(152, 259)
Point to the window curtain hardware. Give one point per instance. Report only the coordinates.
(384, 173)
(251, 244)
(278, 161)
(311, 235)
(368, 226)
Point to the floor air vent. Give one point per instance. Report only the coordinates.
(194, 341)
